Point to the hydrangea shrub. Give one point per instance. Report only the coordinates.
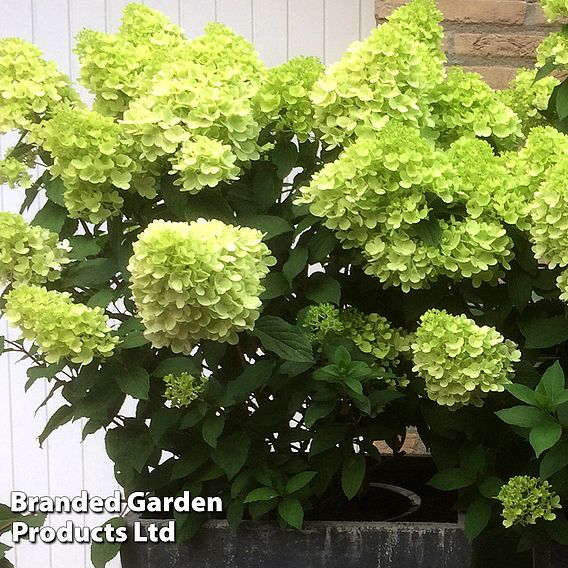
(283, 266)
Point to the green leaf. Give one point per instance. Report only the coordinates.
(544, 436)
(61, 416)
(271, 225)
(55, 190)
(83, 246)
(541, 333)
(323, 289)
(235, 512)
(51, 216)
(328, 437)
(523, 416)
(266, 185)
(428, 231)
(490, 487)
(321, 245)
(292, 512)
(352, 475)
(91, 273)
(212, 429)
(130, 445)
(296, 263)
(261, 494)
(189, 462)
(522, 393)
(134, 381)
(101, 299)
(552, 382)
(251, 379)
(554, 460)
(284, 339)
(133, 339)
(451, 479)
(318, 410)
(519, 285)
(562, 100)
(546, 69)
(299, 481)
(231, 453)
(284, 156)
(477, 517)
(104, 552)
(275, 285)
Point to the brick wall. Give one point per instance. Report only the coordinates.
(492, 37)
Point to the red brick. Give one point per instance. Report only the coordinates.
(497, 45)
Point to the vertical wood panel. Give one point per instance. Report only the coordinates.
(306, 28)
(114, 13)
(170, 8)
(270, 30)
(195, 14)
(342, 21)
(237, 14)
(367, 17)
(16, 19)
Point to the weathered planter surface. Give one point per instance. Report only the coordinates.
(553, 555)
(320, 545)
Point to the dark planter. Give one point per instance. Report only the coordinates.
(332, 544)
(551, 555)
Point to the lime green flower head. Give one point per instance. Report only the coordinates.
(528, 97)
(227, 54)
(555, 9)
(553, 50)
(203, 162)
(459, 361)
(198, 280)
(322, 319)
(182, 390)
(284, 98)
(390, 74)
(59, 327)
(14, 173)
(549, 229)
(29, 254)
(562, 285)
(91, 156)
(117, 68)
(466, 105)
(30, 87)
(526, 499)
(379, 183)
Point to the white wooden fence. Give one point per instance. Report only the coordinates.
(280, 29)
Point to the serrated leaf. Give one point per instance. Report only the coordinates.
(189, 462)
(51, 216)
(352, 475)
(490, 487)
(175, 366)
(284, 156)
(275, 285)
(261, 494)
(134, 381)
(83, 246)
(291, 511)
(562, 100)
(429, 231)
(284, 339)
(544, 436)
